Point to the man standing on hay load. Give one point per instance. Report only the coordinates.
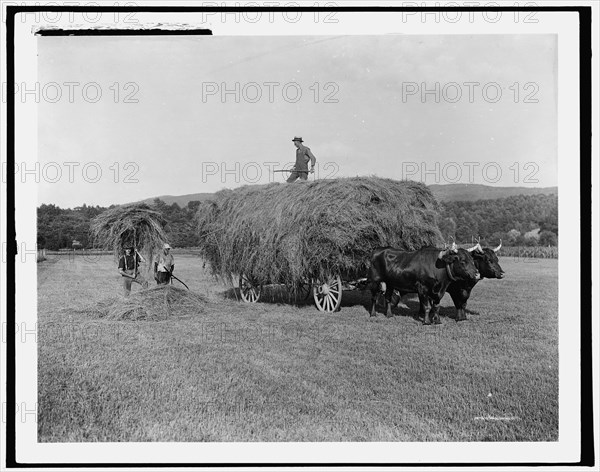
(303, 155)
(128, 268)
(164, 266)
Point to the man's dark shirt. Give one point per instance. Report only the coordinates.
(303, 155)
(128, 262)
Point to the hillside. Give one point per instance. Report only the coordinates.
(472, 192)
(444, 193)
(181, 200)
(467, 211)
(513, 219)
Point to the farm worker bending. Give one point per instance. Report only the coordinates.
(303, 155)
(164, 266)
(128, 268)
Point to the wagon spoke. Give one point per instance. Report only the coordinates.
(333, 283)
(249, 292)
(333, 301)
(328, 294)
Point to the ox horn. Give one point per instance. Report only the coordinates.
(448, 250)
(499, 246)
(477, 248)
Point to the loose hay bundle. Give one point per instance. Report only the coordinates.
(282, 233)
(136, 225)
(158, 303)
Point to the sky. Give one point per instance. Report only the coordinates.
(162, 125)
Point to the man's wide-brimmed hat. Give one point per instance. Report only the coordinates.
(297, 138)
(166, 246)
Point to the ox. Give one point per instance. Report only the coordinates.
(486, 261)
(427, 272)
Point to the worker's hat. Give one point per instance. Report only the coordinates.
(297, 138)
(166, 246)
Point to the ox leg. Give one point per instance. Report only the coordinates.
(435, 313)
(374, 295)
(459, 297)
(388, 301)
(397, 300)
(435, 309)
(461, 312)
(425, 304)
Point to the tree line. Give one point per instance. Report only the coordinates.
(515, 220)
(520, 220)
(58, 227)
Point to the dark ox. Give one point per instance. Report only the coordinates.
(427, 272)
(486, 261)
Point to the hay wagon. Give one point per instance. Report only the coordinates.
(327, 291)
(314, 237)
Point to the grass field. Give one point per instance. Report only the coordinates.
(275, 371)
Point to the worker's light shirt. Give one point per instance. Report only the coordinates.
(165, 262)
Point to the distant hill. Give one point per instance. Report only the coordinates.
(472, 192)
(444, 193)
(181, 200)
(467, 211)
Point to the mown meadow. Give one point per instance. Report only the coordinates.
(281, 371)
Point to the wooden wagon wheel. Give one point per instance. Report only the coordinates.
(249, 290)
(328, 293)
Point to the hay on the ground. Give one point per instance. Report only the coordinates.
(288, 233)
(130, 225)
(154, 304)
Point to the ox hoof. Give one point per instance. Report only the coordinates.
(462, 318)
(426, 322)
(437, 322)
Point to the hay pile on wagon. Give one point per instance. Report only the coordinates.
(282, 233)
(135, 225)
(155, 304)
